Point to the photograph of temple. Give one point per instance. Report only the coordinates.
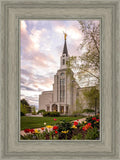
(66, 90)
(60, 80)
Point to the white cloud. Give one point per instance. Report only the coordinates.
(75, 33)
(36, 36)
(23, 26)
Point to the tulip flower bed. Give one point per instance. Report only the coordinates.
(88, 129)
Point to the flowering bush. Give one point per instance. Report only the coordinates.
(88, 129)
(87, 126)
(94, 121)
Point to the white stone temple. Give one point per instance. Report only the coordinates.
(65, 92)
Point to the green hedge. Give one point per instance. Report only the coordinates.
(88, 110)
(41, 111)
(51, 114)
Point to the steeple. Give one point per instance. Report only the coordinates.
(65, 56)
(65, 51)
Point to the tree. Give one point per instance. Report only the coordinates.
(92, 97)
(86, 66)
(34, 110)
(25, 107)
(24, 102)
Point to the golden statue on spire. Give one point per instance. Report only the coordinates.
(65, 35)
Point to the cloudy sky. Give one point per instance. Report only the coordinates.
(41, 47)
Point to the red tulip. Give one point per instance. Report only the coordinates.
(94, 118)
(55, 119)
(55, 127)
(83, 128)
(89, 124)
(56, 132)
(75, 123)
(26, 130)
(32, 130)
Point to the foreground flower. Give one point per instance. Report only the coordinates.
(42, 128)
(55, 127)
(94, 118)
(49, 126)
(65, 132)
(37, 131)
(74, 127)
(87, 126)
(75, 123)
(97, 120)
(56, 132)
(54, 119)
(84, 129)
(26, 130)
(32, 130)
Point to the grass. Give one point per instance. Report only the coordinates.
(37, 122)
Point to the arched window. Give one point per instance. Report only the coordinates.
(62, 74)
(63, 61)
(62, 90)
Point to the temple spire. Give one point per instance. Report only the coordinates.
(65, 51)
(65, 35)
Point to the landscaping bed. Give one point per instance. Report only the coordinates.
(65, 130)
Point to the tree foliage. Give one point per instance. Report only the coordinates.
(34, 110)
(25, 109)
(86, 66)
(24, 102)
(24, 106)
(92, 95)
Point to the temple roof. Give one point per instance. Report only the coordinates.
(65, 51)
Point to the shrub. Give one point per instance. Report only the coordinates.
(51, 114)
(41, 111)
(33, 113)
(88, 111)
(54, 114)
(46, 114)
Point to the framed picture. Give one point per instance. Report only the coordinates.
(24, 22)
(69, 109)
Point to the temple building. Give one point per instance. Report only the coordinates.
(66, 92)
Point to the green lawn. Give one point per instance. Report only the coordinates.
(37, 122)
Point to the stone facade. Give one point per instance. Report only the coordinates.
(65, 92)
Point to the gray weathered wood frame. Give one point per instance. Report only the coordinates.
(11, 13)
